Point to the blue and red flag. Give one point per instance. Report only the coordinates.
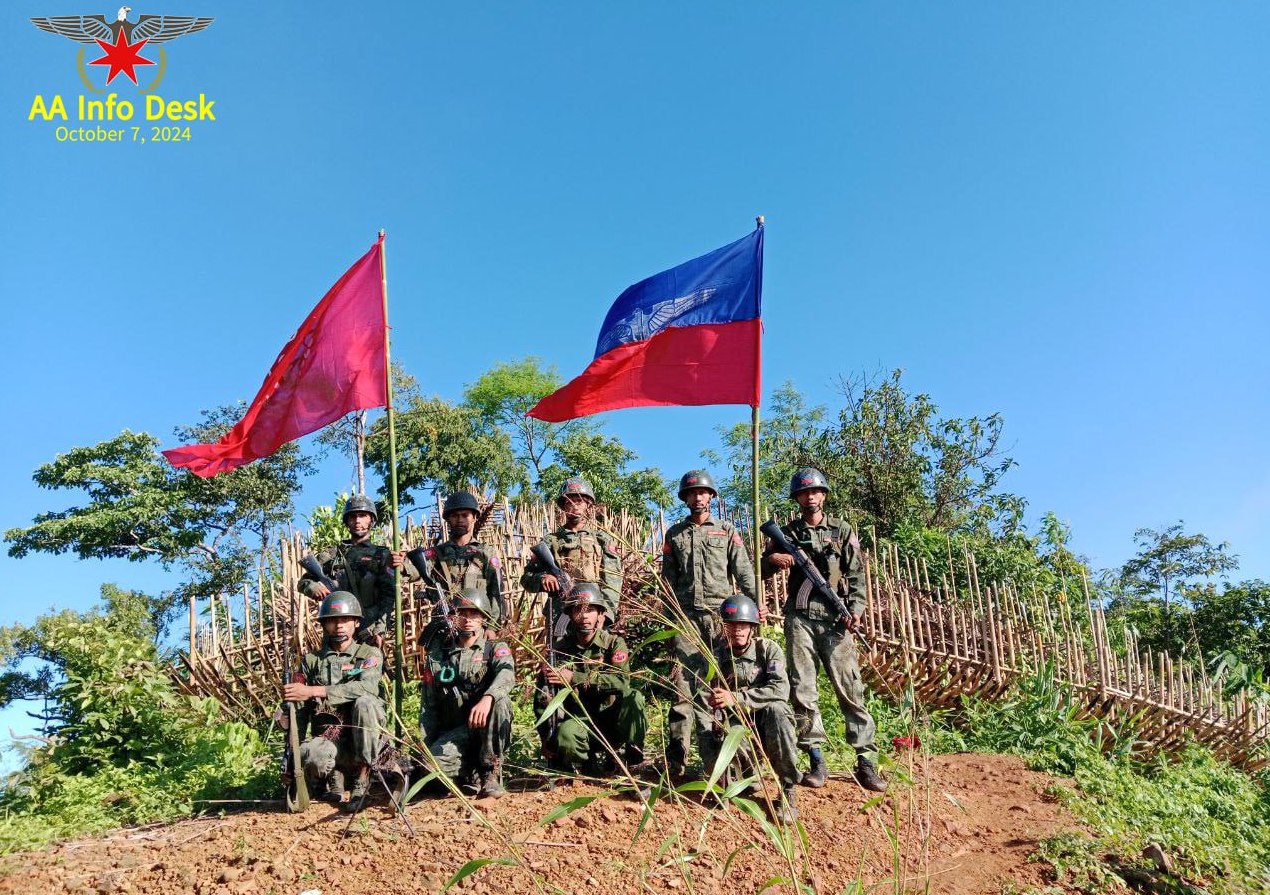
(688, 335)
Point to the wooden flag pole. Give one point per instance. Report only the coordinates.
(756, 537)
(399, 659)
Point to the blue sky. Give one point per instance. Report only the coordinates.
(1058, 213)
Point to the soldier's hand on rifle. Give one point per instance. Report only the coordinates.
(397, 559)
(780, 560)
(554, 675)
(319, 591)
(300, 691)
(721, 698)
(852, 622)
(478, 717)
(550, 583)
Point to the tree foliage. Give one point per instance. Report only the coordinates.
(139, 507)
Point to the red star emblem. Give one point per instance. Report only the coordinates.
(121, 56)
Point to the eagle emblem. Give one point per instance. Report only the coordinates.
(121, 40)
(639, 324)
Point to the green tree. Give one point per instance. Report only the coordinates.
(603, 461)
(1234, 620)
(139, 507)
(1169, 559)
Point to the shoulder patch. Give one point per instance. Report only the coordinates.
(493, 561)
(620, 656)
(773, 665)
(501, 652)
(736, 539)
(371, 662)
(430, 553)
(665, 547)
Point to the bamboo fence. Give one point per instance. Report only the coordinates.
(942, 640)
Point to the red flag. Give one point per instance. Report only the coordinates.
(333, 365)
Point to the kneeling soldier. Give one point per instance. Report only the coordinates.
(342, 711)
(602, 706)
(750, 679)
(466, 713)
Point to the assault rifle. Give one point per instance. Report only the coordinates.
(314, 570)
(419, 559)
(292, 775)
(542, 552)
(809, 570)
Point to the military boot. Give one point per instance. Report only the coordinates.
(787, 810)
(492, 782)
(333, 791)
(866, 774)
(360, 793)
(817, 773)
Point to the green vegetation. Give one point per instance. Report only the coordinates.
(121, 745)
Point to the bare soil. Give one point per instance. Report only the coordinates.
(964, 824)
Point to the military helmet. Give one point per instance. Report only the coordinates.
(473, 599)
(696, 478)
(460, 500)
(575, 486)
(739, 608)
(340, 604)
(806, 479)
(586, 593)
(360, 503)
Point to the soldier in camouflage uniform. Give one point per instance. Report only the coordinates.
(466, 713)
(602, 706)
(703, 561)
(462, 563)
(363, 568)
(342, 712)
(747, 679)
(583, 551)
(815, 635)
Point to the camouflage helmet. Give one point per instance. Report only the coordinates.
(696, 478)
(360, 503)
(575, 486)
(473, 599)
(586, 593)
(460, 500)
(340, 604)
(739, 608)
(806, 479)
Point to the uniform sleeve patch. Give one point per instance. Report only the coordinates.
(665, 548)
(371, 662)
(620, 656)
(773, 665)
(493, 561)
(501, 652)
(431, 553)
(736, 539)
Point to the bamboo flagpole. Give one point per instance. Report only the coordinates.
(756, 536)
(399, 659)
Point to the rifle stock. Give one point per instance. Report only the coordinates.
(298, 789)
(314, 570)
(542, 552)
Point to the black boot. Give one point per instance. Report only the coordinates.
(492, 782)
(787, 810)
(866, 774)
(360, 793)
(817, 773)
(334, 788)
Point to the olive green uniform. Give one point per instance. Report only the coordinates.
(344, 726)
(454, 678)
(586, 554)
(602, 702)
(471, 566)
(699, 563)
(757, 678)
(815, 636)
(364, 570)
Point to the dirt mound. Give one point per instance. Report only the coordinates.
(964, 824)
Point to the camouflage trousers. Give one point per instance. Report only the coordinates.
(622, 725)
(681, 717)
(357, 743)
(461, 749)
(809, 644)
(774, 725)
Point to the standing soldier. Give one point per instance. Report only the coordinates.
(466, 715)
(462, 563)
(703, 562)
(749, 679)
(361, 567)
(342, 711)
(602, 706)
(584, 552)
(815, 635)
